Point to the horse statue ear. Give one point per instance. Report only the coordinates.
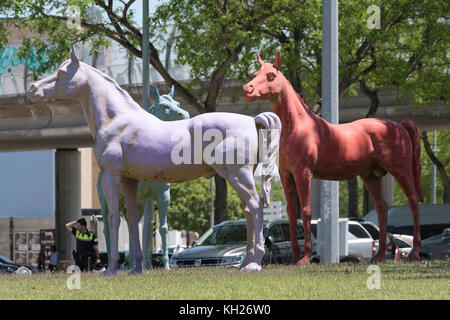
(260, 61)
(277, 62)
(172, 91)
(155, 93)
(73, 56)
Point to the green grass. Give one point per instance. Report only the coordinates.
(398, 281)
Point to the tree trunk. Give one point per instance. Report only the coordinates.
(353, 198)
(374, 103)
(220, 200)
(440, 167)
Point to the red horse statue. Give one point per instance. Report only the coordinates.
(310, 147)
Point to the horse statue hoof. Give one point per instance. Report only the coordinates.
(253, 266)
(415, 258)
(378, 259)
(109, 272)
(136, 270)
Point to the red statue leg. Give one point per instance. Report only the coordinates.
(373, 185)
(287, 180)
(303, 183)
(405, 179)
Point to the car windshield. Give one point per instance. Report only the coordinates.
(372, 230)
(224, 234)
(358, 231)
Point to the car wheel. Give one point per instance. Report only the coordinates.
(352, 260)
(424, 257)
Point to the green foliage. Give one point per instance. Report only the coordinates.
(212, 34)
(443, 154)
(190, 205)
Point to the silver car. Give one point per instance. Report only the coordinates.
(225, 245)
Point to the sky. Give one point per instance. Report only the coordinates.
(27, 184)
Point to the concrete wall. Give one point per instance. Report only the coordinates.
(20, 224)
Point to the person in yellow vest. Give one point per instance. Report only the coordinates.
(87, 245)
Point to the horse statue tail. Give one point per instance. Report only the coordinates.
(414, 134)
(269, 131)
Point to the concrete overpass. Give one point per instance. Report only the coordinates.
(61, 124)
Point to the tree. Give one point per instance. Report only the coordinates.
(190, 207)
(442, 165)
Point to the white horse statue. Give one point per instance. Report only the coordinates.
(132, 145)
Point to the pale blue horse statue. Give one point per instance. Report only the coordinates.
(167, 109)
(133, 145)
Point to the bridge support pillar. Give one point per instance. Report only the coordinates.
(67, 198)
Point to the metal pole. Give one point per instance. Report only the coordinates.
(433, 171)
(211, 184)
(145, 56)
(148, 223)
(329, 242)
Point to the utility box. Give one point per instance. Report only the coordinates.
(27, 246)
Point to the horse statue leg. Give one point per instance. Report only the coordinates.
(147, 234)
(241, 179)
(130, 187)
(163, 200)
(110, 186)
(302, 178)
(131, 262)
(373, 185)
(104, 211)
(250, 255)
(287, 180)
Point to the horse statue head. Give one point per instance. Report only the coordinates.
(66, 83)
(267, 82)
(165, 107)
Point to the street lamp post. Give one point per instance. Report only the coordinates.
(329, 233)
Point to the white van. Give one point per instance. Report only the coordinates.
(434, 218)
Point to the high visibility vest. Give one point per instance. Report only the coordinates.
(84, 236)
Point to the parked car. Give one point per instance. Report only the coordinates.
(434, 218)
(404, 243)
(157, 257)
(436, 247)
(360, 243)
(7, 266)
(225, 244)
(374, 231)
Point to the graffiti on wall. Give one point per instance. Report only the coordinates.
(9, 58)
(114, 61)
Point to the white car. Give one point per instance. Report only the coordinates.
(361, 246)
(404, 244)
